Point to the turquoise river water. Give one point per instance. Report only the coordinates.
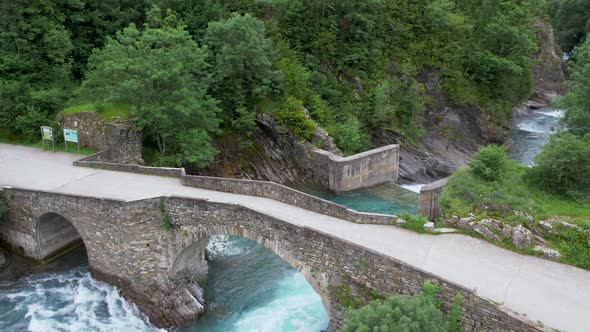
(249, 287)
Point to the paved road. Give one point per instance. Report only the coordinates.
(555, 294)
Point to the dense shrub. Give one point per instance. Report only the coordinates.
(397, 313)
(574, 245)
(489, 162)
(3, 207)
(563, 166)
(414, 222)
(576, 101)
(349, 136)
(404, 313)
(292, 115)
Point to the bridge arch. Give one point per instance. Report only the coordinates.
(54, 235)
(192, 242)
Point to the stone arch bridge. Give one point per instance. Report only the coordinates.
(154, 266)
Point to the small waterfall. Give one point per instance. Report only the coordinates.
(531, 131)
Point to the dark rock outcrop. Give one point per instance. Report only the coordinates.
(549, 70)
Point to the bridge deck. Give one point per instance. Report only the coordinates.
(556, 294)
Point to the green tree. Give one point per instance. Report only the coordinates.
(399, 313)
(241, 58)
(91, 22)
(34, 64)
(571, 20)
(577, 99)
(161, 71)
(563, 166)
(349, 136)
(488, 163)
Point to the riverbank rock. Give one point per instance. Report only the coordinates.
(525, 215)
(492, 224)
(484, 231)
(3, 262)
(546, 227)
(548, 252)
(521, 237)
(568, 225)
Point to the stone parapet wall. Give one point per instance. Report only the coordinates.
(101, 160)
(429, 205)
(267, 189)
(127, 247)
(281, 193)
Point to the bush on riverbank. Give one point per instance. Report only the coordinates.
(563, 166)
(489, 162)
(467, 193)
(573, 244)
(404, 313)
(520, 194)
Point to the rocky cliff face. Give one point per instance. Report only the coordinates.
(549, 72)
(274, 154)
(453, 132)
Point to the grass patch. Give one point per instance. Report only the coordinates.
(8, 136)
(573, 244)
(414, 222)
(467, 193)
(107, 111)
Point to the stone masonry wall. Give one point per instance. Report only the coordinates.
(286, 195)
(127, 247)
(121, 141)
(265, 189)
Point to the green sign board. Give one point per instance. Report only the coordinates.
(71, 135)
(47, 133)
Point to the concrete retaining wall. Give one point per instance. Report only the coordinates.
(358, 171)
(429, 205)
(128, 248)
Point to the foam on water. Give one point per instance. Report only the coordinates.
(530, 127)
(555, 113)
(251, 287)
(531, 132)
(67, 301)
(413, 187)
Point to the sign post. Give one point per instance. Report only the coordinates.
(71, 135)
(47, 134)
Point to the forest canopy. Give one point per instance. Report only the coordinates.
(193, 70)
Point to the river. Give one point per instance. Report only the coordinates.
(249, 288)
